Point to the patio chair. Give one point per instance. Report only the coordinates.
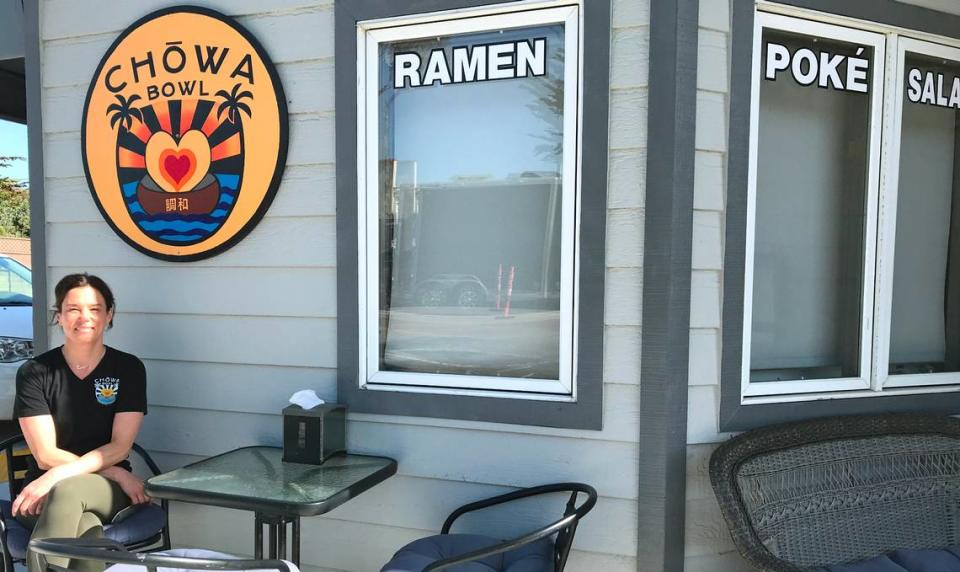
(535, 551)
(881, 492)
(137, 527)
(111, 552)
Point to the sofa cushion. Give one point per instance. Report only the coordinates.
(414, 557)
(944, 560)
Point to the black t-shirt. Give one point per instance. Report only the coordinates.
(82, 409)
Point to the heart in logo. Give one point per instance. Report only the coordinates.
(178, 166)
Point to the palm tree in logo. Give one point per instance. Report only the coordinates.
(232, 103)
(124, 112)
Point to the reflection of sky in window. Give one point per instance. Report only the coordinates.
(481, 130)
(13, 143)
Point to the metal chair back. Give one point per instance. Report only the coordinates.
(19, 460)
(111, 552)
(565, 528)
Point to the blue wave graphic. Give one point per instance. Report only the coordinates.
(182, 238)
(228, 180)
(177, 225)
(182, 228)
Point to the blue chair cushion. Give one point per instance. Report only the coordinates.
(414, 557)
(141, 523)
(945, 560)
(17, 535)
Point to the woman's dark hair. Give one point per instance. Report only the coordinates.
(71, 281)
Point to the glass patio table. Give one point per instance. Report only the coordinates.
(279, 493)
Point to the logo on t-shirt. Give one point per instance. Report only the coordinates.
(106, 389)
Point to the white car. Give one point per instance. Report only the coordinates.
(16, 328)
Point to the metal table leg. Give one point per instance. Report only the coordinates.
(276, 537)
(295, 544)
(258, 536)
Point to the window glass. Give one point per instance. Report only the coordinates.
(15, 283)
(925, 314)
(470, 201)
(811, 189)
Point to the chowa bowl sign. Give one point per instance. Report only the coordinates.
(184, 134)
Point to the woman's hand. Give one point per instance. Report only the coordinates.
(132, 486)
(31, 499)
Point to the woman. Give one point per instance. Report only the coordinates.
(80, 407)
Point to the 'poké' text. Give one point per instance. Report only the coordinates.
(465, 64)
(829, 71)
(930, 88)
(174, 59)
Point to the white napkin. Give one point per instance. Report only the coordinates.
(306, 398)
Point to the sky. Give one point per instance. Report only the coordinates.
(13, 142)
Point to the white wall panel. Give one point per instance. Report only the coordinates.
(621, 411)
(629, 58)
(60, 19)
(274, 242)
(708, 185)
(630, 13)
(290, 292)
(705, 299)
(621, 354)
(712, 61)
(625, 238)
(626, 178)
(715, 15)
(307, 342)
(628, 119)
(704, 357)
(707, 241)
(622, 304)
(233, 387)
(711, 121)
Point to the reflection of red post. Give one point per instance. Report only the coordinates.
(506, 307)
(499, 283)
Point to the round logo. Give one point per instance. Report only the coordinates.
(184, 134)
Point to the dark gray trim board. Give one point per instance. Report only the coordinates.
(667, 247)
(587, 411)
(733, 415)
(888, 12)
(38, 223)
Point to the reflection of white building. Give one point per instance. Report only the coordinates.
(478, 228)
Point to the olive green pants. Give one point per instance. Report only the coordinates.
(76, 508)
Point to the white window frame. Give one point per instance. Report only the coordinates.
(888, 219)
(791, 24)
(369, 37)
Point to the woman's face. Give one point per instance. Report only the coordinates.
(84, 315)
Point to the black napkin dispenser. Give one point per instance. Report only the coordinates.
(312, 436)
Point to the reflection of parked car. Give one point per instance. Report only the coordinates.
(16, 328)
(465, 290)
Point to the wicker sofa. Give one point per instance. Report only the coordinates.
(823, 493)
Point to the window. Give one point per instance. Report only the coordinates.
(852, 233)
(469, 194)
(465, 278)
